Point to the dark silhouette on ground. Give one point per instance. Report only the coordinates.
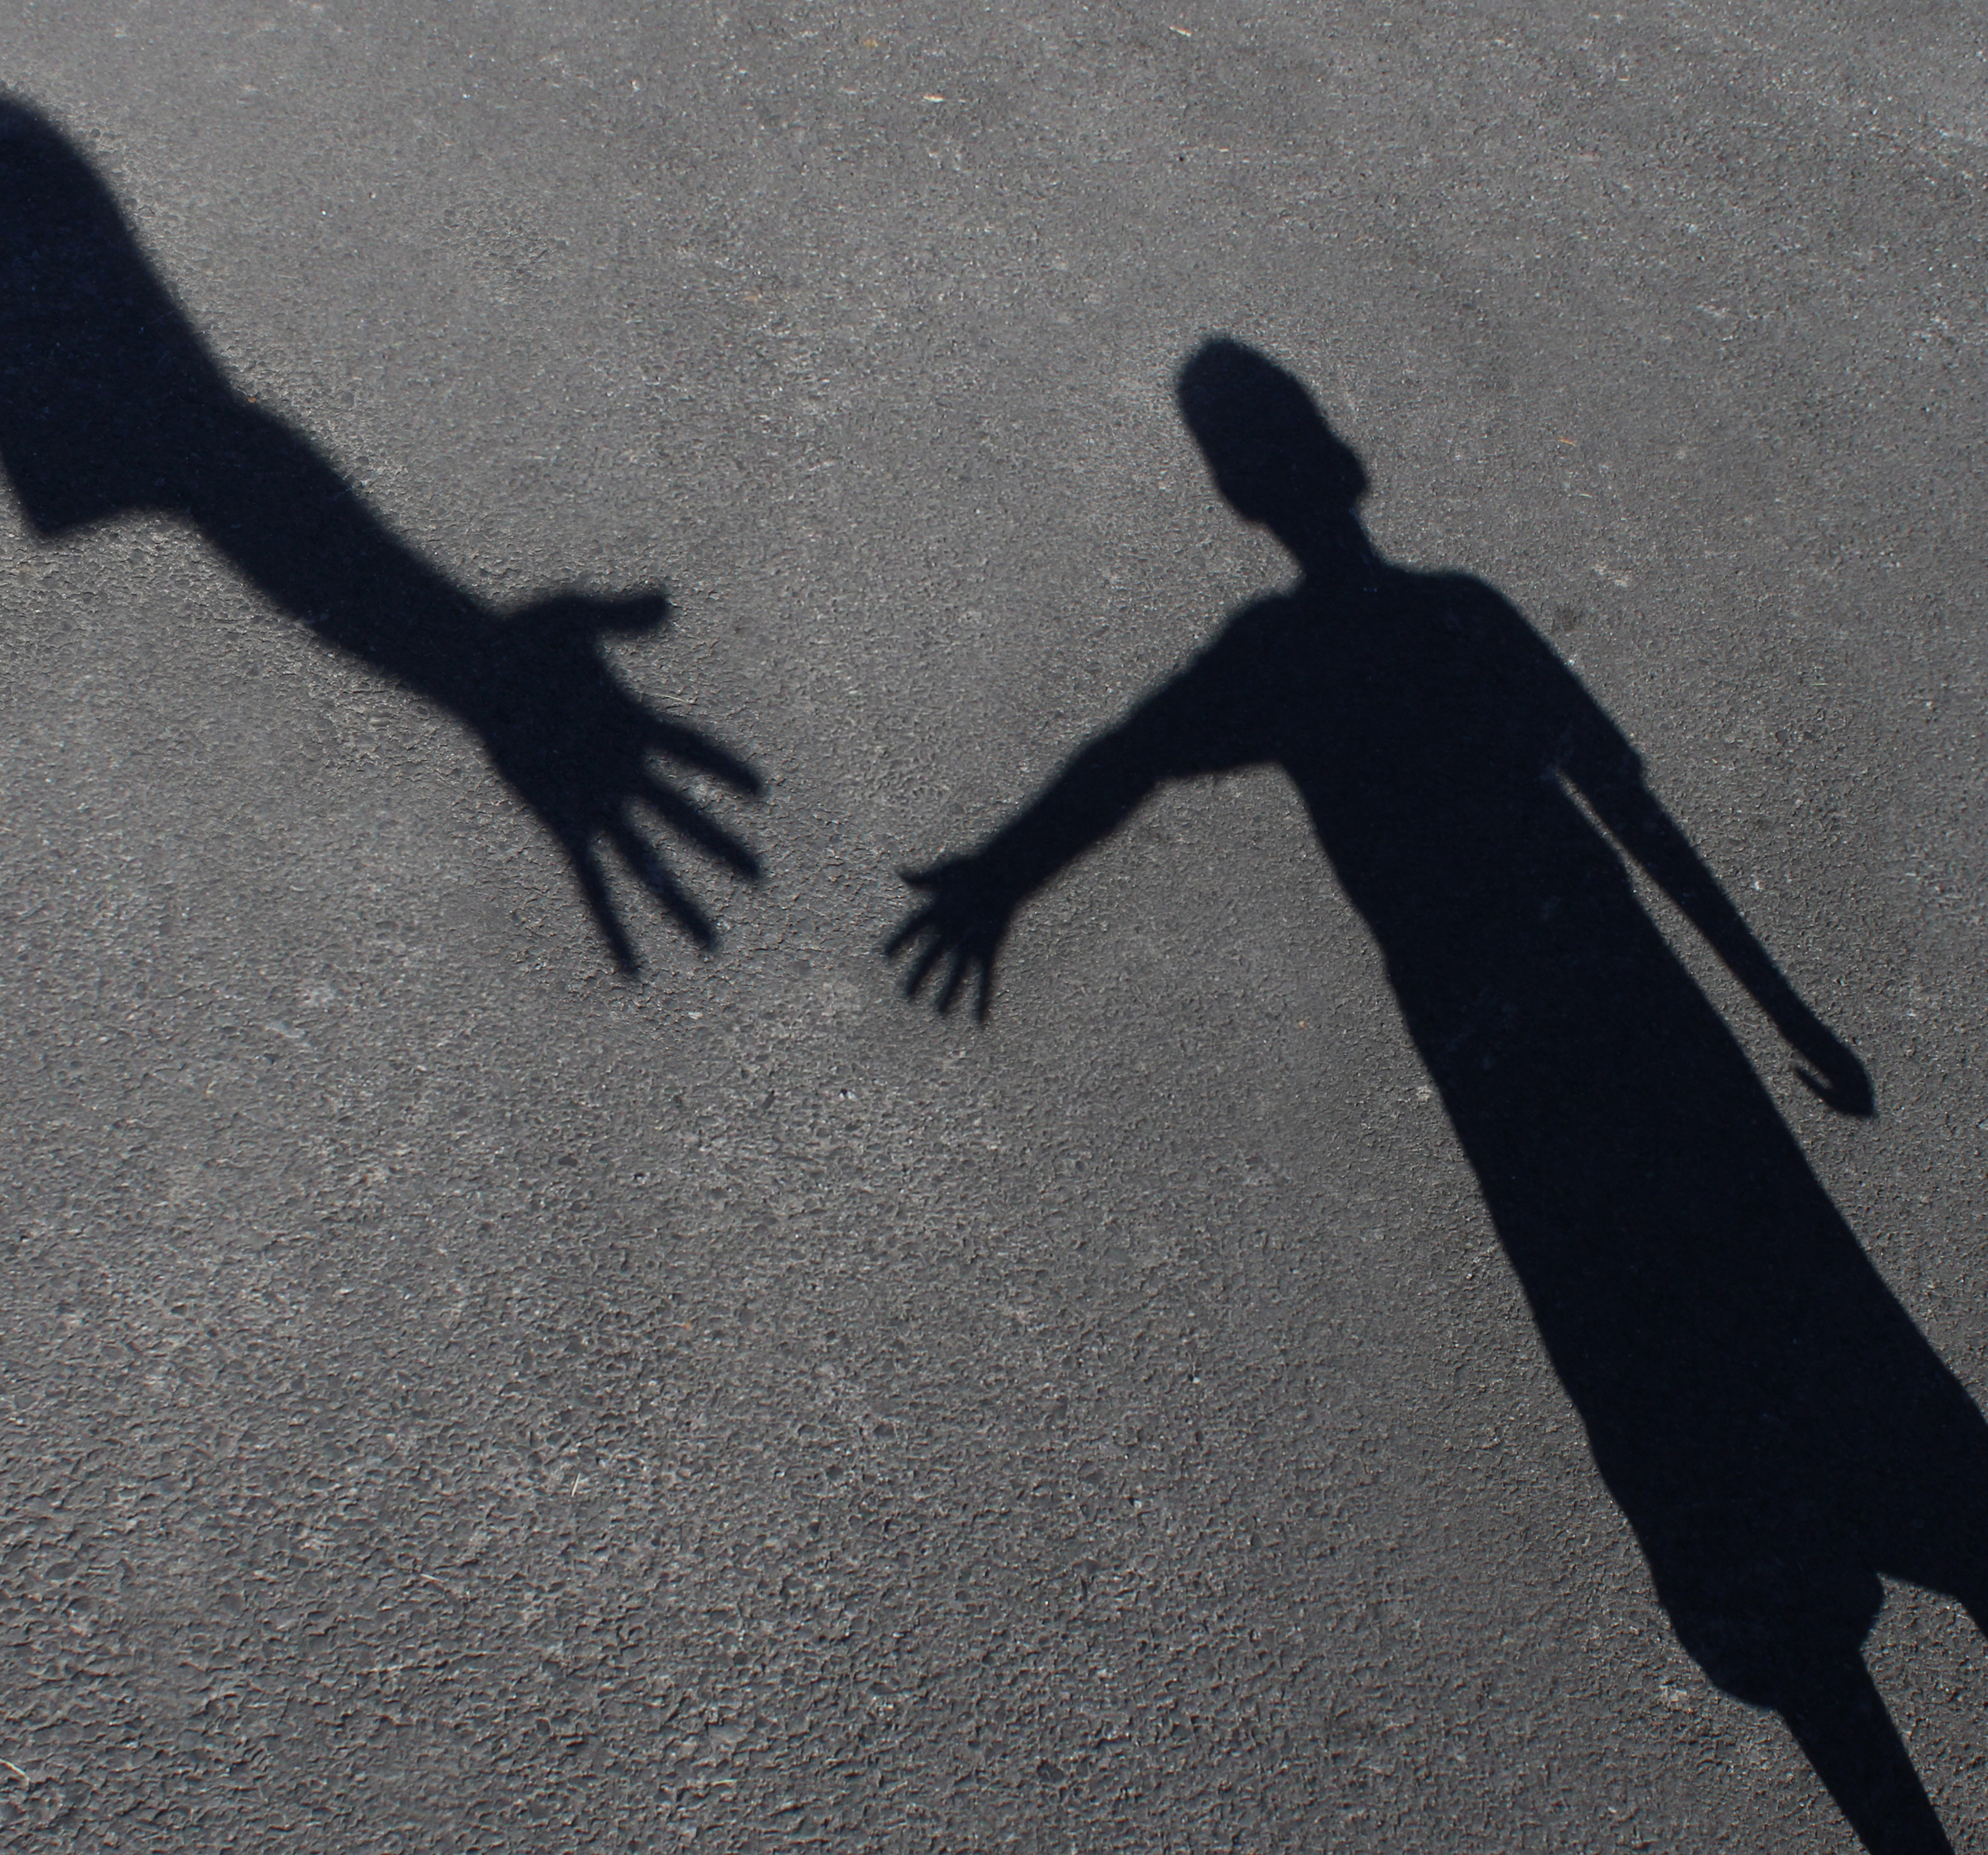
(1775, 1428)
(110, 404)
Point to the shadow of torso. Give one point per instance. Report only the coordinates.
(1768, 1416)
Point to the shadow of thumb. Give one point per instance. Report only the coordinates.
(622, 614)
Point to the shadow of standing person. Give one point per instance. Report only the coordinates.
(110, 404)
(1777, 1430)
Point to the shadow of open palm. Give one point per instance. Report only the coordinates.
(952, 939)
(580, 748)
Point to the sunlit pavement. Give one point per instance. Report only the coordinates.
(457, 1396)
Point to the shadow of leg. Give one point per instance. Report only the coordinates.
(1838, 1718)
(1976, 1607)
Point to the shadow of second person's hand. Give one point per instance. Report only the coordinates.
(582, 751)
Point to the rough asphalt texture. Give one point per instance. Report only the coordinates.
(457, 1399)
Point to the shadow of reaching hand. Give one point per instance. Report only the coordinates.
(111, 404)
(952, 940)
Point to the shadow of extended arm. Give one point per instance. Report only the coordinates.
(1191, 726)
(573, 742)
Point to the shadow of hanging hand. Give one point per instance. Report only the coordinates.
(110, 404)
(1776, 1431)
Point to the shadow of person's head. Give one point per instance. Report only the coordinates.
(1275, 461)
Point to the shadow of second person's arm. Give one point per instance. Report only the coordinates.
(111, 404)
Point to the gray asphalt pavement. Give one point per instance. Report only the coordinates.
(457, 1397)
